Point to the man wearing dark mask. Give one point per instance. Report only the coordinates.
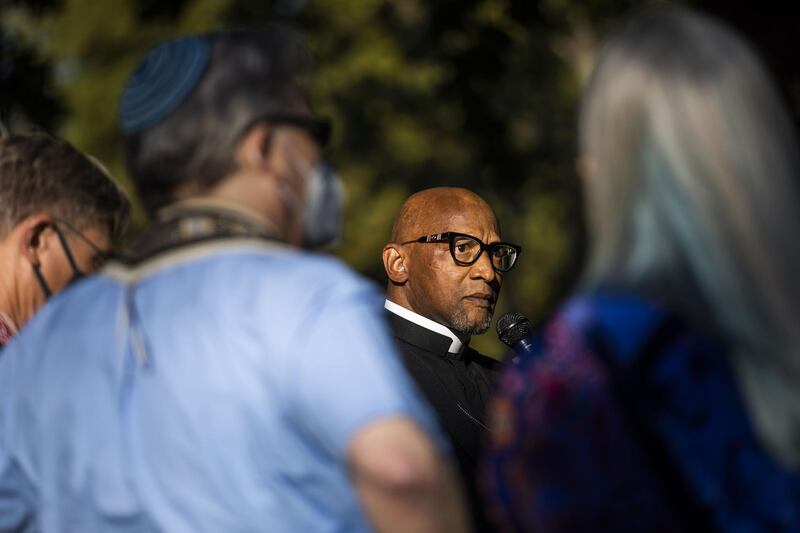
(59, 212)
(229, 381)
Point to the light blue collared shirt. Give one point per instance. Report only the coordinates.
(215, 392)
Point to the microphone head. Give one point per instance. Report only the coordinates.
(512, 327)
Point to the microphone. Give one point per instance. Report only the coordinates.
(514, 330)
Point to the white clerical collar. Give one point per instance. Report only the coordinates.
(456, 346)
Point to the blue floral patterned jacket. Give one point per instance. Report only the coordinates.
(626, 418)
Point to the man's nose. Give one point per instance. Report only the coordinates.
(482, 268)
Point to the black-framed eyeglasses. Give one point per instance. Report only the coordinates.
(100, 256)
(466, 249)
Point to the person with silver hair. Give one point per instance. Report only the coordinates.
(665, 394)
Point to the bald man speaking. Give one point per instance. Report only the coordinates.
(445, 266)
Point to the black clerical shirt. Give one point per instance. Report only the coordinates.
(457, 382)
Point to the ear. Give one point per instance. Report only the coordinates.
(32, 233)
(253, 150)
(394, 263)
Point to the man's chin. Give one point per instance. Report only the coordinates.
(474, 326)
(483, 327)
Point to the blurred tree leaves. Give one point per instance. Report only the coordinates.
(474, 93)
(467, 93)
(26, 89)
(91, 47)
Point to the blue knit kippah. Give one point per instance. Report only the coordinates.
(163, 80)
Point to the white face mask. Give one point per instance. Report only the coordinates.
(322, 211)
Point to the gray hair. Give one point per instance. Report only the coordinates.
(252, 73)
(693, 198)
(41, 174)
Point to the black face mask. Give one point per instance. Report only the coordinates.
(76, 272)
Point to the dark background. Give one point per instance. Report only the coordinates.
(480, 94)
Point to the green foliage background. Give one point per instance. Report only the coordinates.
(475, 93)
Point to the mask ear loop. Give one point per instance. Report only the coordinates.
(37, 271)
(37, 268)
(290, 200)
(67, 252)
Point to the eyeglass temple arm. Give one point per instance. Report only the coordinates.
(67, 251)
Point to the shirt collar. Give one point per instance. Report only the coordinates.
(456, 345)
(220, 206)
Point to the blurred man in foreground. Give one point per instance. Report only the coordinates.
(445, 266)
(220, 379)
(59, 212)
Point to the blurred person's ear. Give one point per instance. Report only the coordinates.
(33, 237)
(254, 149)
(394, 263)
